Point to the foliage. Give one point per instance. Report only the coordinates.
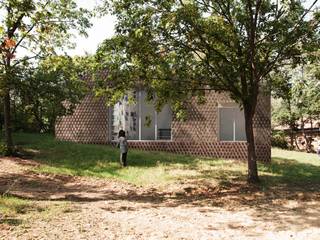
(29, 30)
(299, 93)
(179, 49)
(278, 139)
(39, 26)
(3, 149)
(50, 90)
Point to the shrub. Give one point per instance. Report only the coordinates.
(279, 140)
(3, 149)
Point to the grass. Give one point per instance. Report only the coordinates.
(293, 168)
(12, 205)
(17, 211)
(157, 168)
(288, 169)
(99, 161)
(11, 208)
(289, 172)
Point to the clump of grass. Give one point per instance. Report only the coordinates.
(10, 206)
(21, 212)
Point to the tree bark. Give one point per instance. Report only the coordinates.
(297, 145)
(292, 136)
(7, 123)
(252, 158)
(291, 140)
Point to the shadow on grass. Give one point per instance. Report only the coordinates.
(287, 176)
(292, 173)
(217, 183)
(103, 161)
(13, 207)
(92, 160)
(284, 180)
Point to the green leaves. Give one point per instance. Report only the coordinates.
(178, 48)
(32, 30)
(42, 26)
(50, 90)
(299, 93)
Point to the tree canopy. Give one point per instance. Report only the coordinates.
(46, 91)
(299, 92)
(179, 49)
(30, 30)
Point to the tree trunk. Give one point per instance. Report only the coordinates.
(291, 140)
(252, 158)
(292, 136)
(297, 145)
(7, 123)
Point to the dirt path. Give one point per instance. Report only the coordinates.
(87, 208)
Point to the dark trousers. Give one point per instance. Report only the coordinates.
(123, 159)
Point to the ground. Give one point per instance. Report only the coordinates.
(177, 197)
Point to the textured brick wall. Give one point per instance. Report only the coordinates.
(198, 135)
(262, 128)
(227, 150)
(88, 123)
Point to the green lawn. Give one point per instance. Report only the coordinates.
(157, 168)
(289, 171)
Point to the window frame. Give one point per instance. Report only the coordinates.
(139, 123)
(228, 105)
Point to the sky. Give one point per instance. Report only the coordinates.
(102, 29)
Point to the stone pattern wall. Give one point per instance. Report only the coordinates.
(226, 150)
(89, 123)
(262, 128)
(198, 135)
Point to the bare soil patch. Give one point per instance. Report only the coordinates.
(68, 207)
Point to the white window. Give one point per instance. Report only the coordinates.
(140, 120)
(231, 123)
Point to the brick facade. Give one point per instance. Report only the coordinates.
(198, 135)
(89, 123)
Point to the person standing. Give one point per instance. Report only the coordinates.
(123, 145)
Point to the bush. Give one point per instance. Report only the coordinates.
(3, 149)
(279, 140)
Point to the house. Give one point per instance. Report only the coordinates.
(213, 129)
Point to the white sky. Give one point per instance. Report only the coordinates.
(103, 28)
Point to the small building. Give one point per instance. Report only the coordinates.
(213, 129)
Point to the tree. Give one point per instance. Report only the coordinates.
(285, 112)
(37, 28)
(43, 92)
(299, 93)
(189, 46)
